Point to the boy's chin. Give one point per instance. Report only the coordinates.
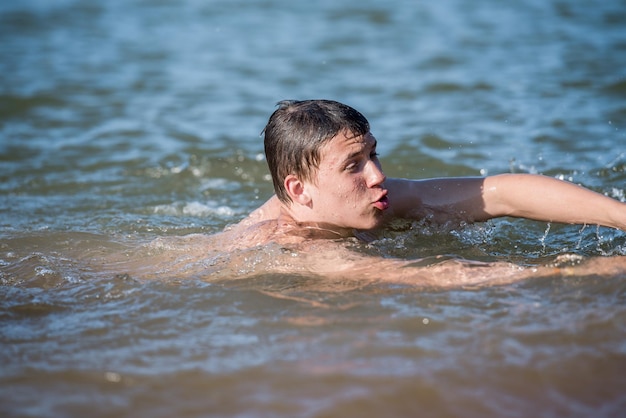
(370, 226)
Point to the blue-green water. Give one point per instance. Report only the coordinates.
(125, 121)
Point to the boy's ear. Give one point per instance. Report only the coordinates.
(296, 190)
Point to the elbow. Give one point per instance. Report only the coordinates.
(495, 203)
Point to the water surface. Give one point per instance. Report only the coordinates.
(126, 121)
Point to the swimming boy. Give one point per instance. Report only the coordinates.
(329, 183)
(327, 178)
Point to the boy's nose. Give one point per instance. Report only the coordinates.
(375, 175)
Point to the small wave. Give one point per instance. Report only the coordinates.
(497, 239)
(194, 209)
(38, 270)
(616, 87)
(452, 87)
(219, 184)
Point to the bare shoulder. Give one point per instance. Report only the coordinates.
(268, 211)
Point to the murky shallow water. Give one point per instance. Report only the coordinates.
(122, 122)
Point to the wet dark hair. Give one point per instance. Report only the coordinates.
(298, 129)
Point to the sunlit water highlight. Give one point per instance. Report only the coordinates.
(122, 122)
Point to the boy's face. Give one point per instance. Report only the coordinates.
(349, 190)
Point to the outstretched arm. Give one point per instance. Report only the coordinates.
(518, 195)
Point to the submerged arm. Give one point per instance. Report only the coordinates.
(340, 266)
(518, 195)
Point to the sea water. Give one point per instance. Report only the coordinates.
(122, 122)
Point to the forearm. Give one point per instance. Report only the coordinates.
(548, 199)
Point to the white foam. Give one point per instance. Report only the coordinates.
(618, 194)
(219, 184)
(194, 209)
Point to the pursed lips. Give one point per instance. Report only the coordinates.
(382, 203)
